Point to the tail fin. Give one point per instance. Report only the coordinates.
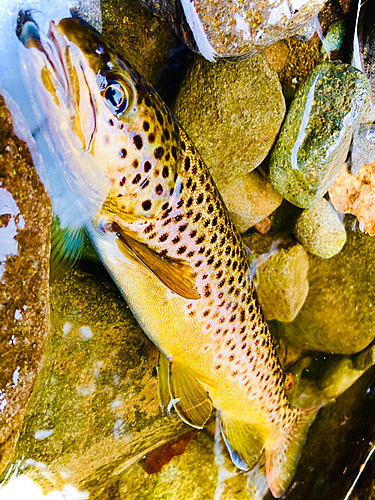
(245, 442)
(282, 454)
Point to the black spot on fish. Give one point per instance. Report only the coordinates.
(137, 139)
(163, 237)
(123, 153)
(136, 179)
(135, 163)
(176, 240)
(159, 152)
(167, 134)
(151, 137)
(146, 205)
(147, 166)
(174, 152)
(165, 206)
(181, 250)
(165, 172)
(144, 184)
(146, 126)
(159, 189)
(122, 182)
(111, 122)
(159, 117)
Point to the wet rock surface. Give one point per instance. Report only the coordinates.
(258, 200)
(25, 218)
(95, 409)
(315, 137)
(320, 230)
(233, 130)
(332, 318)
(232, 29)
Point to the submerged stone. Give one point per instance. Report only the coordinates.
(338, 315)
(315, 137)
(95, 408)
(281, 273)
(232, 112)
(320, 230)
(25, 219)
(250, 199)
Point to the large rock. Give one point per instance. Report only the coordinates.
(95, 408)
(25, 219)
(315, 137)
(223, 29)
(338, 315)
(232, 111)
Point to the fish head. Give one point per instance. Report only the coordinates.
(111, 114)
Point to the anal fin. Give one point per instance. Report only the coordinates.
(283, 453)
(245, 442)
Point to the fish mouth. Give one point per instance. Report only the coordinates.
(56, 51)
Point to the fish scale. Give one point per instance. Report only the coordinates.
(165, 236)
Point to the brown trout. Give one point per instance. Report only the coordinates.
(164, 233)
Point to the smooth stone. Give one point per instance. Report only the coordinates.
(334, 37)
(316, 134)
(95, 408)
(250, 199)
(25, 219)
(320, 230)
(232, 129)
(281, 274)
(338, 315)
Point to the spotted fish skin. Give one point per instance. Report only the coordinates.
(167, 239)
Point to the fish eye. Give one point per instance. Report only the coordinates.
(117, 96)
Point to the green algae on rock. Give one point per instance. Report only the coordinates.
(232, 112)
(320, 230)
(25, 219)
(316, 134)
(95, 408)
(338, 315)
(258, 200)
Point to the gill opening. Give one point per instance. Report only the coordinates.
(94, 110)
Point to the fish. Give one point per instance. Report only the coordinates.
(161, 228)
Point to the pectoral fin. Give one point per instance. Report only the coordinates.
(176, 274)
(245, 442)
(179, 385)
(66, 248)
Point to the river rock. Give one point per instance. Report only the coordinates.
(25, 219)
(320, 230)
(95, 405)
(222, 29)
(232, 128)
(281, 274)
(315, 137)
(338, 315)
(258, 200)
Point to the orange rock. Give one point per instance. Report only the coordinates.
(355, 194)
